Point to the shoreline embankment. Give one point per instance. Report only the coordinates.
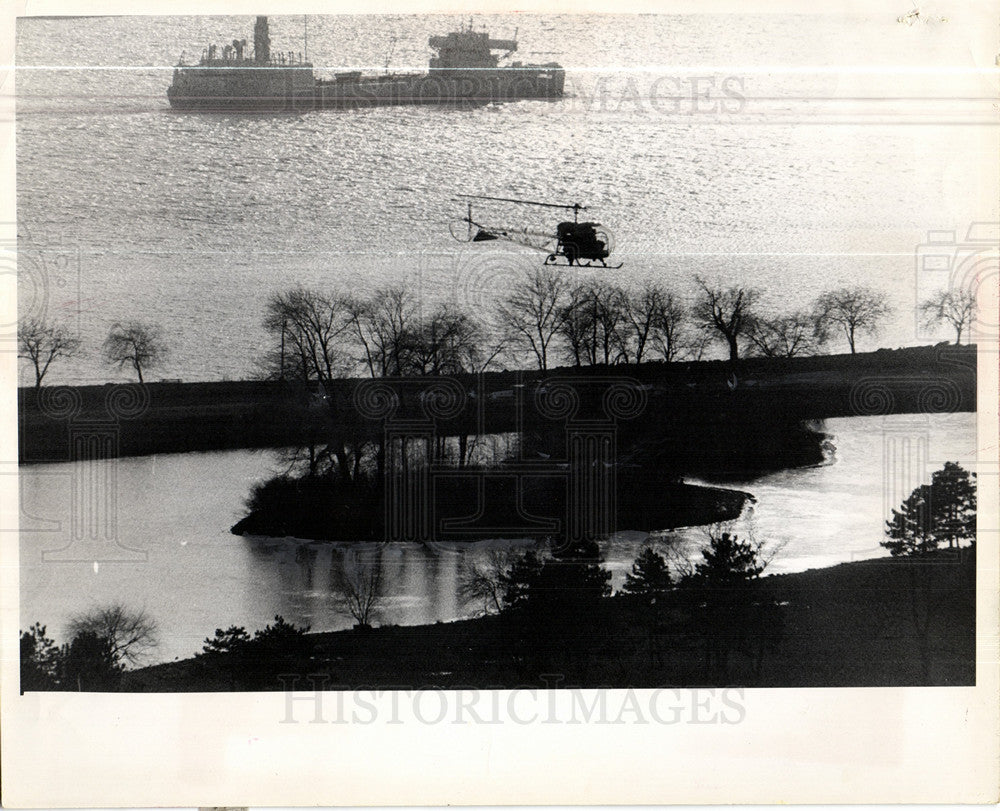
(67, 423)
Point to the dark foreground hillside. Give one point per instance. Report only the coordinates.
(848, 625)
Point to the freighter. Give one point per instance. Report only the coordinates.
(466, 70)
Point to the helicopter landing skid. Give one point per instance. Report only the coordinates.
(553, 259)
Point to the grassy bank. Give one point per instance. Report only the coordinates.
(847, 625)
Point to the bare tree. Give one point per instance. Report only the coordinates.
(382, 327)
(607, 305)
(449, 342)
(575, 330)
(485, 580)
(444, 343)
(654, 319)
(641, 312)
(785, 336)
(359, 585)
(136, 344)
(534, 311)
(954, 307)
(854, 310)
(593, 324)
(692, 344)
(131, 634)
(310, 328)
(41, 343)
(728, 311)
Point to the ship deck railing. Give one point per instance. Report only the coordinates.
(245, 63)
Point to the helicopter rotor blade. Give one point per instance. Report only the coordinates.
(575, 206)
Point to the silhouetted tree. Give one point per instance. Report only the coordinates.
(553, 603)
(650, 575)
(854, 310)
(233, 639)
(280, 647)
(130, 634)
(310, 328)
(598, 310)
(136, 344)
(258, 661)
(520, 579)
(665, 317)
(450, 342)
(41, 343)
(358, 583)
(942, 511)
(485, 580)
(534, 311)
(728, 311)
(953, 504)
(40, 660)
(935, 513)
(648, 584)
(383, 327)
(89, 664)
(785, 336)
(727, 613)
(957, 308)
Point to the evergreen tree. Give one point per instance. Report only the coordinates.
(650, 575)
(569, 579)
(553, 605)
(953, 504)
(727, 614)
(88, 664)
(943, 511)
(39, 660)
(648, 581)
(728, 561)
(520, 579)
(935, 513)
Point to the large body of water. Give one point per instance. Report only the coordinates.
(170, 551)
(789, 153)
(841, 142)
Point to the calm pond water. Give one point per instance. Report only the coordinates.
(170, 551)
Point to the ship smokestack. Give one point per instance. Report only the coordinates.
(261, 41)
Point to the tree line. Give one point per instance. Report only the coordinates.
(544, 318)
(135, 344)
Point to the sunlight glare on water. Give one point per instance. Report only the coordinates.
(129, 210)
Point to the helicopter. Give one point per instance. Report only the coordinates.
(584, 244)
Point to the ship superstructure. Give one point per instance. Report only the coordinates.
(465, 70)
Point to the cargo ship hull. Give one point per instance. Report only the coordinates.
(280, 93)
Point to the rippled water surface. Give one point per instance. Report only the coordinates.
(785, 180)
